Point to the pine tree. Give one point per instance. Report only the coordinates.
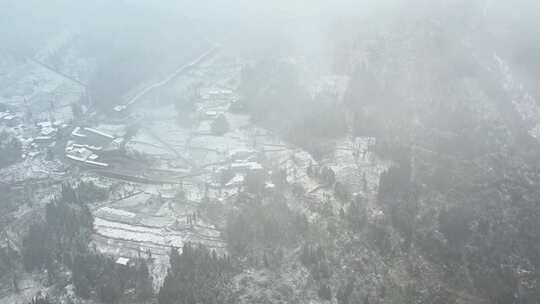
(143, 283)
(220, 125)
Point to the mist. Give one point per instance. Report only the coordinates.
(214, 152)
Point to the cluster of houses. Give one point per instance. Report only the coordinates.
(34, 138)
(8, 118)
(48, 132)
(240, 163)
(86, 144)
(217, 94)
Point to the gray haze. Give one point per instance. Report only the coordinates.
(279, 151)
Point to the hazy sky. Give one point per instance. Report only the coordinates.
(303, 25)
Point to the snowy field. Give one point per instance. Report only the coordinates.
(145, 224)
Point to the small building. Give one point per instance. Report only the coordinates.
(91, 137)
(89, 147)
(9, 119)
(82, 153)
(43, 140)
(211, 114)
(236, 181)
(99, 133)
(217, 94)
(84, 156)
(44, 124)
(114, 214)
(242, 155)
(118, 142)
(123, 261)
(120, 108)
(77, 133)
(269, 186)
(245, 167)
(48, 131)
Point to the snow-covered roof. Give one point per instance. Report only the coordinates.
(237, 154)
(99, 133)
(236, 180)
(119, 108)
(86, 161)
(115, 212)
(95, 163)
(218, 91)
(89, 147)
(44, 124)
(79, 152)
(241, 151)
(77, 132)
(42, 138)
(122, 261)
(247, 165)
(47, 131)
